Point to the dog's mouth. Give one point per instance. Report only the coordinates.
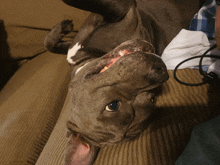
(126, 48)
(107, 61)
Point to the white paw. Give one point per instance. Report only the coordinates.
(72, 52)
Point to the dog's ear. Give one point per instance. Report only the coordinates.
(111, 10)
(79, 152)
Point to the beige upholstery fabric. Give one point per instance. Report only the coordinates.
(28, 22)
(23, 27)
(54, 151)
(29, 112)
(39, 14)
(32, 101)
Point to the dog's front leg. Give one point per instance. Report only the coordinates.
(54, 43)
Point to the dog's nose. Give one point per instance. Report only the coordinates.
(160, 69)
(159, 72)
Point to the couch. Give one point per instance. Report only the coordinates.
(34, 95)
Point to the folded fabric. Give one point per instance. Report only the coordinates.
(185, 45)
(204, 20)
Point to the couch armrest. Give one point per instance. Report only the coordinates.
(30, 105)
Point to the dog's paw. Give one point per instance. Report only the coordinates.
(66, 26)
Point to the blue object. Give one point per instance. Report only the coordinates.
(204, 20)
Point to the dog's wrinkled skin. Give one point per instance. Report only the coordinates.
(115, 77)
(128, 84)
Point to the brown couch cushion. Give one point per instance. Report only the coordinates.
(25, 42)
(40, 14)
(54, 151)
(28, 22)
(180, 108)
(30, 105)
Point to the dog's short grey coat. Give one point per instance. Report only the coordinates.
(110, 103)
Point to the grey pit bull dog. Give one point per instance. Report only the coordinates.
(115, 79)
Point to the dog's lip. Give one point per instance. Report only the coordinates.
(107, 61)
(120, 54)
(123, 50)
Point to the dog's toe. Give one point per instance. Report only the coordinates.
(67, 26)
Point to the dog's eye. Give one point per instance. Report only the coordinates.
(113, 106)
(152, 99)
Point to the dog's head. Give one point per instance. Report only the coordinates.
(113, 96)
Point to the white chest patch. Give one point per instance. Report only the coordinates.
(72, 52)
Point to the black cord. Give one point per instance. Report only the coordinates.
(204, 55)
(208, 78)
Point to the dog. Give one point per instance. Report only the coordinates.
(115, 75)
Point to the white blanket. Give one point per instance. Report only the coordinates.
(185, 45)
